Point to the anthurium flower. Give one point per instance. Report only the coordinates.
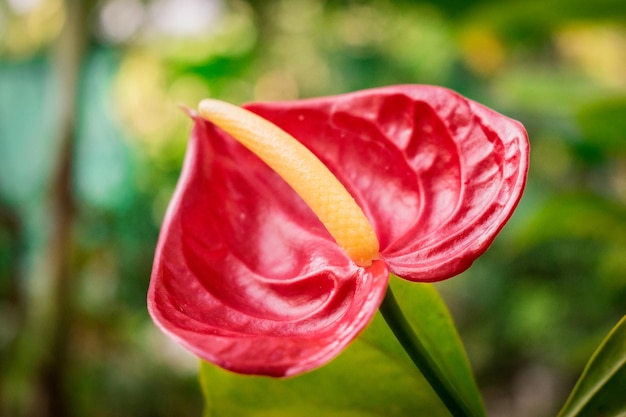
(247, 275)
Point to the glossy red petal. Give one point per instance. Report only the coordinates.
(245, 276)
(438, 175)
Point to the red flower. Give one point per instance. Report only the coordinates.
(247, 277)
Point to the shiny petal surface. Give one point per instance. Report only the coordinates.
(245, 276)
(438, 175)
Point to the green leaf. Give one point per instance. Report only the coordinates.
(434, 327)
(600, 391)
(373, 377)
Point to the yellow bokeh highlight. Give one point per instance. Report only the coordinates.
(483, 51)
(148, 101)
(26, 33)
(276, 85)
(599, 50)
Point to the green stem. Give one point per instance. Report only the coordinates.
(421, 357)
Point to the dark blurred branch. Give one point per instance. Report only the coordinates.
(10, 223)
(68, 58)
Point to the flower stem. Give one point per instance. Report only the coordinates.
(421, 357)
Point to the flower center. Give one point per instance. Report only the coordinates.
(304, 172)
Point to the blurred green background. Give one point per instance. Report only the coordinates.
(92, 140)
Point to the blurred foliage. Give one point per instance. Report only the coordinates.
(530, 312)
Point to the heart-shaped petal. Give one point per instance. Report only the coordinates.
(247, 277)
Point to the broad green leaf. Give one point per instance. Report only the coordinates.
(431, 321)
(601, 389)
(373, 377)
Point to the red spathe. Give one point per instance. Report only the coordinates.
(245, 275)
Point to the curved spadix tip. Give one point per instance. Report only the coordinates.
(304, 172)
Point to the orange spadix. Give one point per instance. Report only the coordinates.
(304, 172)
